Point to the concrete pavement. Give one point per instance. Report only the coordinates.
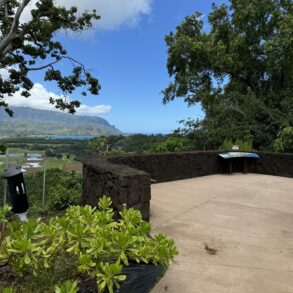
(234, 233)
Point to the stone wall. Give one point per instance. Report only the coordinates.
(127, 179)
(174, 166)
(277, 164)
(123, 184)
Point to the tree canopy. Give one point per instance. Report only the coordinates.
(240, 71)
(31, 45)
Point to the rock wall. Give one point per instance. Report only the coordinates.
(174, 166)
(123, 184)
(127, 179)
(278, 164)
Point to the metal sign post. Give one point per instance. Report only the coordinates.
(5, 182)
(44, 183)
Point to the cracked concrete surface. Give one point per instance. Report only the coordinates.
(247, 219)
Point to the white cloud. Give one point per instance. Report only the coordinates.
(92, 110)
(39, 99)
(114, 13)
(4, 72)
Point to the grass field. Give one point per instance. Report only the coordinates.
(66, 164)
(54, 163)
(22, 151)
(50, 162)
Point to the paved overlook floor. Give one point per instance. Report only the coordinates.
(234, 233)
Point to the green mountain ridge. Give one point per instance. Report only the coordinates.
(27, 121)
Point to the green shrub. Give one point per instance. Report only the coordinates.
(284, 142)
(227, 145)
(67, 287)
(2, 149)
(3, 213)
(65, 192)
(172, 145)
(84, 243)
(62, 190)
(9, 290)
(244, 145)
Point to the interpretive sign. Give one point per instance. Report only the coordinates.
(231, 155)
(235, 155)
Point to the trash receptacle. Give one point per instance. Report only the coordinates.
(17, 189)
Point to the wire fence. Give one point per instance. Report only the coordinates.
(34, 188)
(47, 190)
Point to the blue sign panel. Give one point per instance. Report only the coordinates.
(231, 155)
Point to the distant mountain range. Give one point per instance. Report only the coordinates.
(27, 121)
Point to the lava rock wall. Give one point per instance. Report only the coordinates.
(278, 164)
(174, 166)
(127, 179)
(123, 184)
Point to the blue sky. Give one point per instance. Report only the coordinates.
(129, 58)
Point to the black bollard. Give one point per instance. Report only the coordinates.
(17, 190)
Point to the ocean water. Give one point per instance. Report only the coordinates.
(76, 137)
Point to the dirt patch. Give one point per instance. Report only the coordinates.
(210, 250)
(76, 167)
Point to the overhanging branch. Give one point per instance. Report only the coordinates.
(12, 35)
(49, 64)
(2, 2)
(58, 60)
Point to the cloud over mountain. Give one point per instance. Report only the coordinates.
(39, 99)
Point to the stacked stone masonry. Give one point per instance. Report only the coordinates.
(127, 179)
(123, 184)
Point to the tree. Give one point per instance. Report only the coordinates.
(172, 144)
(284, 142)
(2, 149)
(30, 46)
(240, 71)
(199, 132)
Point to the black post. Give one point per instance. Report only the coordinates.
(17, 190)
